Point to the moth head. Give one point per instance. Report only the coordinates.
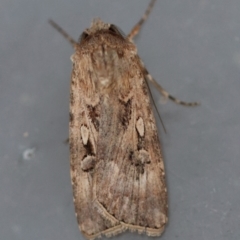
(98, 26)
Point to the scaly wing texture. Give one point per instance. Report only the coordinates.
(129, 182)
(84, 126)
(116, 164)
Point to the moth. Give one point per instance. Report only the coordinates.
(117, 169)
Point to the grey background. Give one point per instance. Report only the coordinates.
(191, 47)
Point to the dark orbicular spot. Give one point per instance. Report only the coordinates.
(141, 142)
(125, 113)
(94, 115)
(89, 148)
(130, 156)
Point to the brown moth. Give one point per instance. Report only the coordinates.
(117, 169)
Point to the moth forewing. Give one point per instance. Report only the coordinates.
(116, 163)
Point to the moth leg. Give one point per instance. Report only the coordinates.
(135, 30)
(166, 94)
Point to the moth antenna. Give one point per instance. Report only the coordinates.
(64, 33)
(167, 95)
(135, 30)
(154, 104)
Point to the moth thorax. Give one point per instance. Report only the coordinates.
(106, 62)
